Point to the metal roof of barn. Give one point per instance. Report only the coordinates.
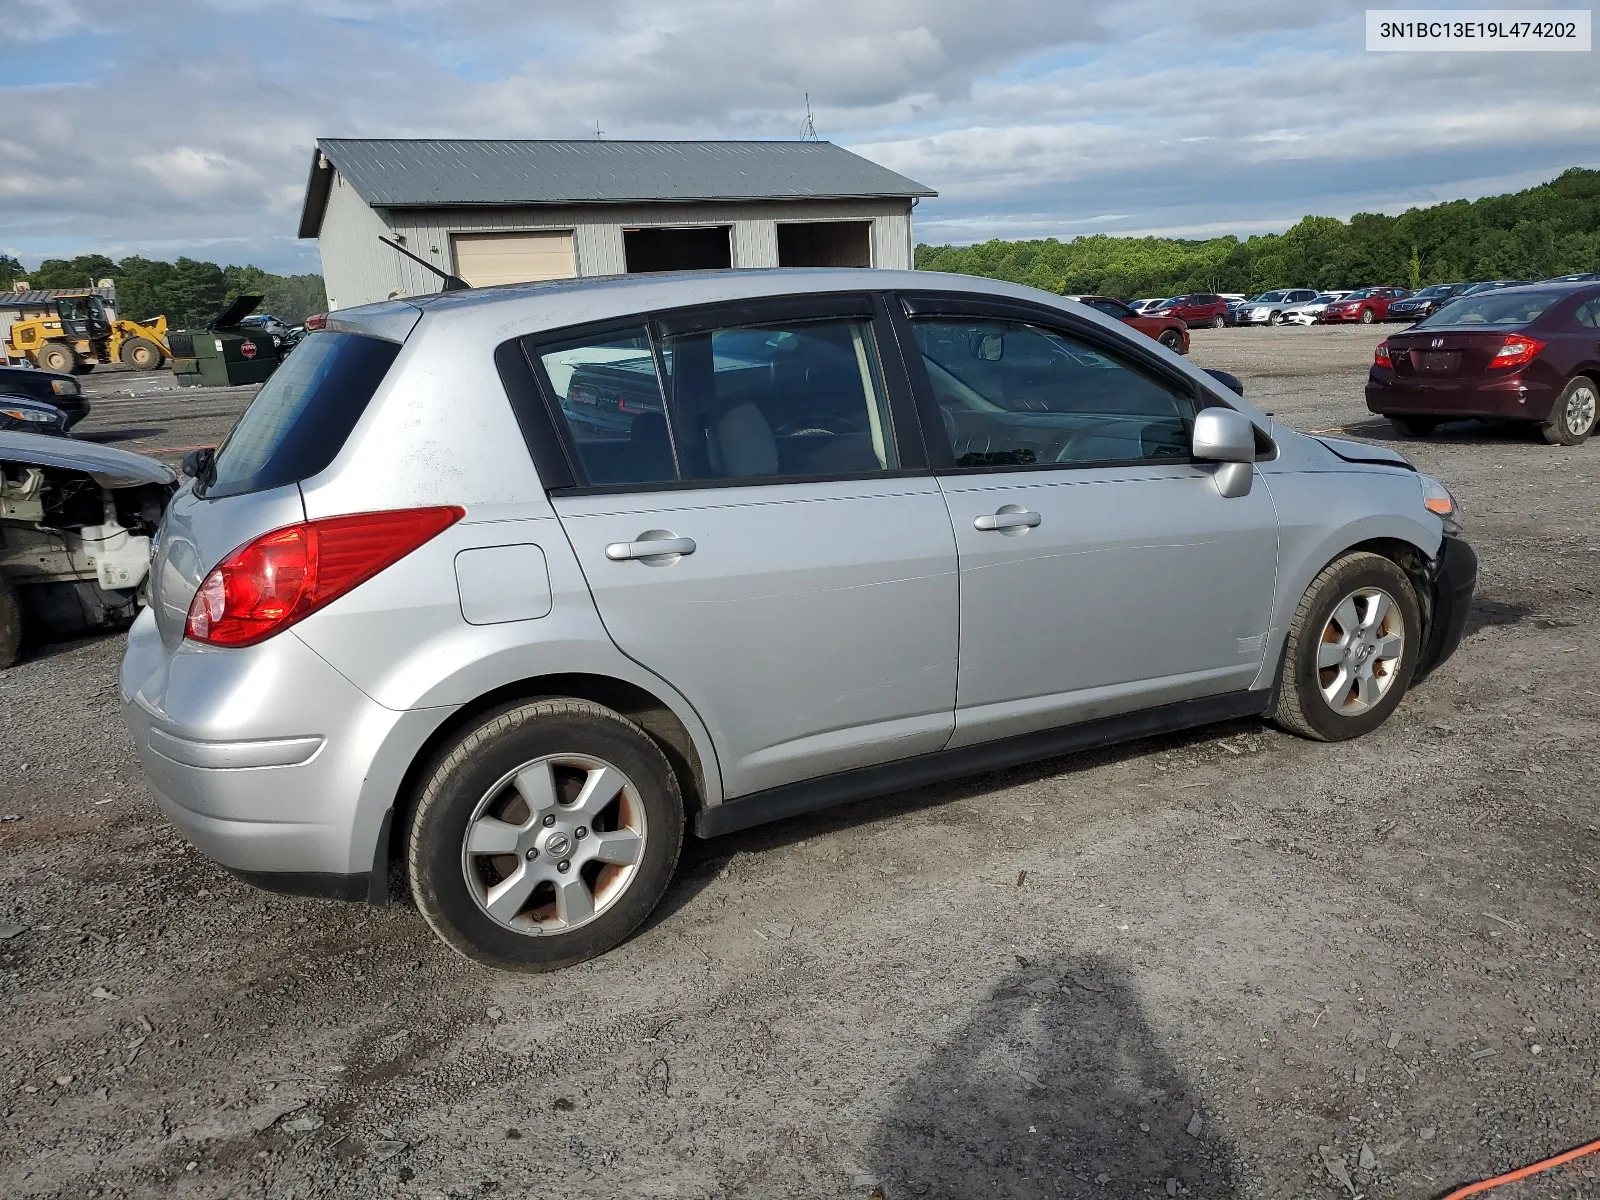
(39, 297)
(452, 173)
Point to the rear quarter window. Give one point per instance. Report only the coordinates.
(301, 416)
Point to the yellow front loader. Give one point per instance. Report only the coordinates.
(73, 333)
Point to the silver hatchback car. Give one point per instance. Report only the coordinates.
(499, 590)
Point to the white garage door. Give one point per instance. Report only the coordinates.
(484, 259)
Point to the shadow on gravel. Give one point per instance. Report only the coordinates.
(1455, 433)
(1055, 1087)
(105, 436)
(1485, 613)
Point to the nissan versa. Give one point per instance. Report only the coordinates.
(503, 589)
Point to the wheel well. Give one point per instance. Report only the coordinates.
(639, 706)
(1409, 559)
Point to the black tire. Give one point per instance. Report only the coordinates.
(1171, 339)
(1275, 318)
(1300, 706)
(10, 624)
(1218, 322)
(58, 356)
(1367, 317)
(1574, 414)
(1414, 426)
(142, 354)
(472, 768)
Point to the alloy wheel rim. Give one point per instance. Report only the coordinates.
(1581, 411)
(554, 843)
(1360, 651)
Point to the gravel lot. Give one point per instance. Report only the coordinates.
(1229, 963)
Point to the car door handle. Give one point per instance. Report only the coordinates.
(1010, 517)
(649, 548)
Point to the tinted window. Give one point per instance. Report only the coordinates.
(1011, 394)
(609, 396)
(1589, 313)
(793, 399)
(1500, 308)
(301, 416)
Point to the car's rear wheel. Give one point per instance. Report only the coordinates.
(1573, 417)
(1218, 322)
(1414, 426)
(544, 835)
(1351, 651)
(1367, 316)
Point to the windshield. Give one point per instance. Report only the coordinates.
(1325, 298)
(1502, 309)
(1428, 293)
(1361, 294)
(1269, 297)
(302, 415)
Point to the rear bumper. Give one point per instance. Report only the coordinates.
(1454, 582)
(269, 761)
(1515, 397)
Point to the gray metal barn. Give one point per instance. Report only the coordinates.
(513, 211)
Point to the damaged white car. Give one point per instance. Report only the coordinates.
(76, 522)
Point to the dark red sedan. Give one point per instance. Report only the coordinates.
(1526, 353)
(1201, 308)
(1169, 331)
(1364, 304)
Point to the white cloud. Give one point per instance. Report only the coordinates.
(1031, 118)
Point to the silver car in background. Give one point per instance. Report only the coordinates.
(502, 591)
(1307, 313)
(1269, 307)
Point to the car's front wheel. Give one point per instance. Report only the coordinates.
(1172, 340)
(1367, 316)
(1351, 651)
(544, 835)
(1573, 417)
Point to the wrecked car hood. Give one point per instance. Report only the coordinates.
(107, 465)
(1364, 452)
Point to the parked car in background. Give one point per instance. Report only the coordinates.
(1584, 277)
(284, 336)
(23, 414)
(1169, 331)
(1420, 304)
(1308, 312)
(1525, 354)
(1365, 305)
(1146, 305)
(1269, 307)
(1491, 285)
(53, 388)
(1200, 308)
(524, 666)
(76, 520)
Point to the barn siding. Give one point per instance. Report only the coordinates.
(359, 269)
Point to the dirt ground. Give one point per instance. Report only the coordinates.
(1224, 964)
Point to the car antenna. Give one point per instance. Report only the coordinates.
(452, 283)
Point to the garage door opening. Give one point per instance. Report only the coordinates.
(825, 244)
(705, 249)
(485, 259)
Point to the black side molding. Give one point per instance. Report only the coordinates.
(1455, 580)
(793, 799)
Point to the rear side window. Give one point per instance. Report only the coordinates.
(609, 397)
(301, 416)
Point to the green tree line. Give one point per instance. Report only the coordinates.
(189, 292)
(1552, 229)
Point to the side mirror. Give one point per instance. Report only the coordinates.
(991, 347)
(1227, 380)
(200, 464)
(1227, 438)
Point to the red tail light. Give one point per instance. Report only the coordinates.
(267, 585)
(316, 321)
(1516, 351)
(1380, 356)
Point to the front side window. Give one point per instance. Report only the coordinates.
(791, 399)
(1013, 394)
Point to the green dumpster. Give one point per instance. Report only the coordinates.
(223, 353)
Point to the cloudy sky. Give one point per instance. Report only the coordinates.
(186, 127)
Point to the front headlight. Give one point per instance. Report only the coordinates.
(1436, 498)
(65, 387)
(28, 414)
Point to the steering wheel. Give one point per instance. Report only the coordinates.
(811, 426)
